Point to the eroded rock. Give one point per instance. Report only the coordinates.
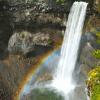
(25, 41)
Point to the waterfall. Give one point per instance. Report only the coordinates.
(62, 78)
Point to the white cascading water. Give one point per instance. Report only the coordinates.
(62, 79)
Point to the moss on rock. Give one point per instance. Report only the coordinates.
(93, 84)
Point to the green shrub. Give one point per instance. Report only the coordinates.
(94, 84)
(98, 41)
(96, 54)
(98, 34)
(98, 37)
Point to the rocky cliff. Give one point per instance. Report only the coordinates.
(13, 68)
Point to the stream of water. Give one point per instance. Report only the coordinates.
(62, 79)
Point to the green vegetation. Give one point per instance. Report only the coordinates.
(98, 41)
(98, 34)
(60, 1)
(94, 84)
(49, 41)
(44, 94)
(98, 37)
(98, 7)
(96, 53)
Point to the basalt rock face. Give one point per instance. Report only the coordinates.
(24, 42)
(48, 6)
(20, 20)
(14, 2)
(6, 30)
(90, 43)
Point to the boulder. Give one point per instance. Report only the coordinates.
(24, 42)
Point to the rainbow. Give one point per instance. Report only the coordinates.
(32, 70)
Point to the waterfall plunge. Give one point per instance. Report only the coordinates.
(62, 79)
